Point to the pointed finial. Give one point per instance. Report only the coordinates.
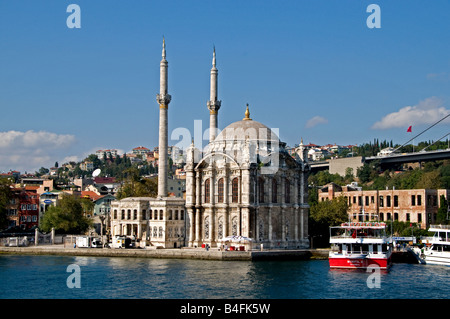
(214, 57)
(247, 115)
(164, 48)
(301, 141)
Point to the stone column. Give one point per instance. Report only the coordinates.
(212, 211)
(197, 226)
(190, 223)
(296, 212)
(270, 223)
(36, 237)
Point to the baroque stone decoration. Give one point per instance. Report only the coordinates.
(244, 183)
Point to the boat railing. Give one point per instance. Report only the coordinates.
(359, 252)
(440, 238)
(440, 226)
(346, 236)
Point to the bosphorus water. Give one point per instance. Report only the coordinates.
(46, 277)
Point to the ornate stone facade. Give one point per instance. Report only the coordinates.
(246, 184)
(152, 221)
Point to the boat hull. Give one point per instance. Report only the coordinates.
(346, 262)
(438, 259)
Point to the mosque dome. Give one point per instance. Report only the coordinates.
(247, 129)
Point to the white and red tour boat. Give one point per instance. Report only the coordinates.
(358, 245)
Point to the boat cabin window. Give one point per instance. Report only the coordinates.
(442, 236)
(439, 248)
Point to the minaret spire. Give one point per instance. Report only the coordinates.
(163, 99)
(213, 104)
(164, 49)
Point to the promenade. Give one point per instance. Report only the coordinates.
(179, 253)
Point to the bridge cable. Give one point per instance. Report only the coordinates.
(420, 133)
(423, 149)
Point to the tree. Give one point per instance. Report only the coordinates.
(66, 217)
(5, 195)
(42, 171)
(87, 205)
(325, 214)
(135, 186)
(442, 213)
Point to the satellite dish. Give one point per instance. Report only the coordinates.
(96, 172)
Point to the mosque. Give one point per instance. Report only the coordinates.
(244, 183)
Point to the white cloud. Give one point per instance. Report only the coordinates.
(442, 76)
(427, 111)
(316, 120)
(30, 150)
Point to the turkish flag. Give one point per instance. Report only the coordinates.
(409, 129)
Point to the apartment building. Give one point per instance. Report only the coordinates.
(23, 209)
(419, 206)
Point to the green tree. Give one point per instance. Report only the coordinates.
(324, 214)
(42, 171)
(5, 196)
(368, 172)
(87, 206)
(66, 217)
(442, 213)
(135, 186)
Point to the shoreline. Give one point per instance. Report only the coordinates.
(179, 253)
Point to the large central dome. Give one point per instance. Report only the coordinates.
(247, 129)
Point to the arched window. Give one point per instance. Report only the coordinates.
(220, 228)
(220, 188)
(161, 214)
(261, 190)
(274, 191)
(182, 214)
(207, 191)
(170, 214)
(235, 190)
(287, 191)
(206, 227)
(115, 213)
(234, 226)
(123, 214)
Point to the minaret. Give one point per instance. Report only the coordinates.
(213, 103)
(163, 100)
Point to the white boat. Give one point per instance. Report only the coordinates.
(437, 249)
(360, 245)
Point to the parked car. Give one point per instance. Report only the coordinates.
(96, 243)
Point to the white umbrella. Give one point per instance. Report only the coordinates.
(236, 239)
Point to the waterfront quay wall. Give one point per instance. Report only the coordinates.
(186, 253)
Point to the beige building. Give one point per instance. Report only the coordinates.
(151, 221)
(412, 205)
(244, 183)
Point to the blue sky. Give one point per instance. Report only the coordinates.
(312, 69)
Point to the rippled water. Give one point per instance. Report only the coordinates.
(38, 277)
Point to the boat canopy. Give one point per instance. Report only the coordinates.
(356, 225)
